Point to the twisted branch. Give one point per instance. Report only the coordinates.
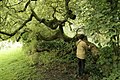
(12, 34)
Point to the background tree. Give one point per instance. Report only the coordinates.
(101, 19)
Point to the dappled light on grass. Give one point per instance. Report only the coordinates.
(15, 64)
(7, 47)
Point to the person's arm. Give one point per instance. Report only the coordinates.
(87, 47)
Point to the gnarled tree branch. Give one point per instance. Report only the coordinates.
(58, 35)
(12, 34)
(69, 13)
(55, 23)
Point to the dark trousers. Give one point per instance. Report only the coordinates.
(81, 66)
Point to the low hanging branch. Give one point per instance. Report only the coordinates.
(41, 50)
(58, 35)
(53, 37)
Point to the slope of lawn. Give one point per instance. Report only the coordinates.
(15, 65)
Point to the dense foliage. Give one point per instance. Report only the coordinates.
(50, 25)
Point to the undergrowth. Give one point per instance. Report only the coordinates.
(56, 64)
(106, 67)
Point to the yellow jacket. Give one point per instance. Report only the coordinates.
(81, 49)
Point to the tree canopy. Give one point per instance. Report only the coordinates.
(52, 14)
(100, 19)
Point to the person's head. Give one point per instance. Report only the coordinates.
(82, 37)
(85, 38)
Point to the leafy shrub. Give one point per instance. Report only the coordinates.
(64, 50)
(107, 66)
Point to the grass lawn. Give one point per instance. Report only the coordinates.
(15, 65)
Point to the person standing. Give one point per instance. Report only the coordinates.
(82, 48)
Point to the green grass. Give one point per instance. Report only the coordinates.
(15, 65)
